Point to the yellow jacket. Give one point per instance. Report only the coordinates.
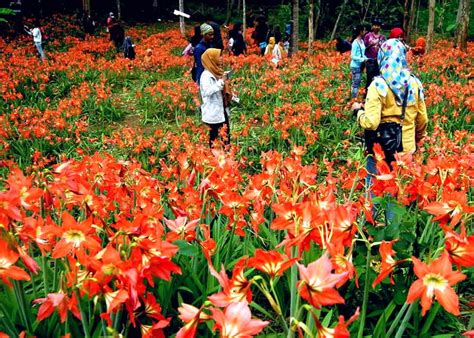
(379, 109)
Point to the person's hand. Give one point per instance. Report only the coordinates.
(357, 105)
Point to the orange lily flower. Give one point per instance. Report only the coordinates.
(8, 270)
(460, 248)
(272, 263)
(75, 237)
(388, 262)
(317, 283)
(62, 302)
(236, 321)
(436, 280)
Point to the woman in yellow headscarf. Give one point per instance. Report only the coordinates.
(215, 94)
(270, 46)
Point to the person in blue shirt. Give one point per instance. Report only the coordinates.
(357, 58)
(207, 33)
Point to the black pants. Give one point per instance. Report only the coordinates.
(215, 128)
(372, 71)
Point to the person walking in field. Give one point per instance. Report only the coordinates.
(394, 114)
(372, 41)
(37, 38)
(237, 45)
(206, 42)
(357, 58)
(215, 94)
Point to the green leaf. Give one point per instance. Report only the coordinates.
(186, 249)
(451, 27)
(6, 11)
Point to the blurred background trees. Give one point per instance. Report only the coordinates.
(329, 18)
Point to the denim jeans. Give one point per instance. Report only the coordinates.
(372, 68)
(40, 50)
(356, 78)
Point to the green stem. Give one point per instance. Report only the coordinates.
(404, 322)
(365, 298)
(429, 320)
(293, 289)
(22, 306)
(45, 278)
(116, 322)
(397, 319)
(102, 321)
(85, 326)
(7, 323)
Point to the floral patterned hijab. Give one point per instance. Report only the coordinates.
(394, 73)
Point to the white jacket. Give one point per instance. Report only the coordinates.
(212, 107)
(36, 32)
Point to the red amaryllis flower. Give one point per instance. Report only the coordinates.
(271, 262)
(460, 248)
(181, 228)
(236, 289)
(435, 279)
(75, 237)
(191, 316)
(340, 331)
(236, 321)
(388, 262)
(451, 208)
(8, 270)
(317, 283)
(59, 301)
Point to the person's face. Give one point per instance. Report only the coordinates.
(208, 37)
(375, 28)
(220, 61)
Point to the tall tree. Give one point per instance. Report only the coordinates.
(119, 10)
(230, 7)
(244, 18)
(464, 12)
(295, 31)
(316, 18)
(431, 21)
(310, 26)
(406, 15)
(182, 27)
(341, 10)
(411, 21)
(86, 6)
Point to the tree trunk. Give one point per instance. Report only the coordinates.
(182, 27)
(119, 11)
(295, 31)
(406, 15)
(86, 6)
(316, 19)
(230, 6)
(333, 34)
(411, 21)
(417, 14)
(239, 4)
(366, 11)
(244, 18)
(310, 26)
(431, 20)
(463, 24)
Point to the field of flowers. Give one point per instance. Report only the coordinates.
(116, 219)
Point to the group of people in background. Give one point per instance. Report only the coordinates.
(364, 50)
(206, 46)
